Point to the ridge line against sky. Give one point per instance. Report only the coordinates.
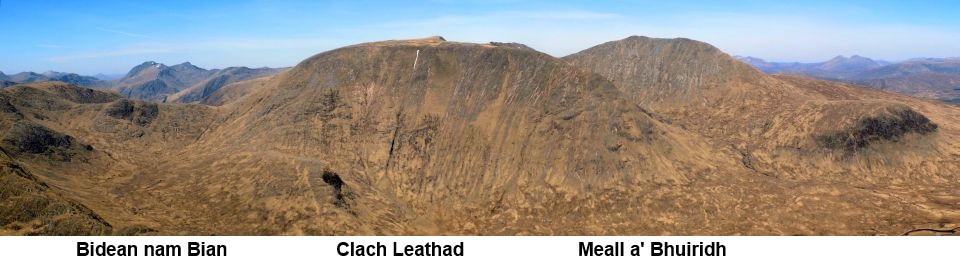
(110, 36)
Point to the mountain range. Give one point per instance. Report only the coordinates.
(153, 81)
(935, 78)
(639, 136)
(28, 77)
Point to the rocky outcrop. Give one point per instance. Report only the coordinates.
(137, 112)
(29, 138)
(888, 126)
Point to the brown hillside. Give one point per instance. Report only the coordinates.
(455, 138)
(429, 136)
(855, 140)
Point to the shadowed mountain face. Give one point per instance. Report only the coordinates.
(427, 136)
(218, 80)
(183, 83)
(154, 81)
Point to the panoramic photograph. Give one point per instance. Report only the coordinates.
(463, 118)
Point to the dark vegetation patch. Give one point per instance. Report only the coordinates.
(334, 181)
(83, 95)
(138, 112)
(6, 106)
(890, 126)
(29, 138)
(747, 160)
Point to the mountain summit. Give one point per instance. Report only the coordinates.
(154, 81)
(841, 64)
(665, 71)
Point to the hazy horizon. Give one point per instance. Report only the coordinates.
(110, 37)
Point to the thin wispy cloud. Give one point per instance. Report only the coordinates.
(206, 46)
(50, 46)
(552, 15)
(500, 16)
(129, 34)
(108, 54)
(255, 44)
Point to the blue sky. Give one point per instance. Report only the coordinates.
(110, 37)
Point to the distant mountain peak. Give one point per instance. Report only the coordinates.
(147, 64)
(751, 60)
(50, 73)
(186, 65)
(747, 57)
(141, 67)
(512, 45)
(680, 40)
(852, 58)
(108, 77)
(660, 68)
(155, 81)
(838, 58)
(430, 39)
